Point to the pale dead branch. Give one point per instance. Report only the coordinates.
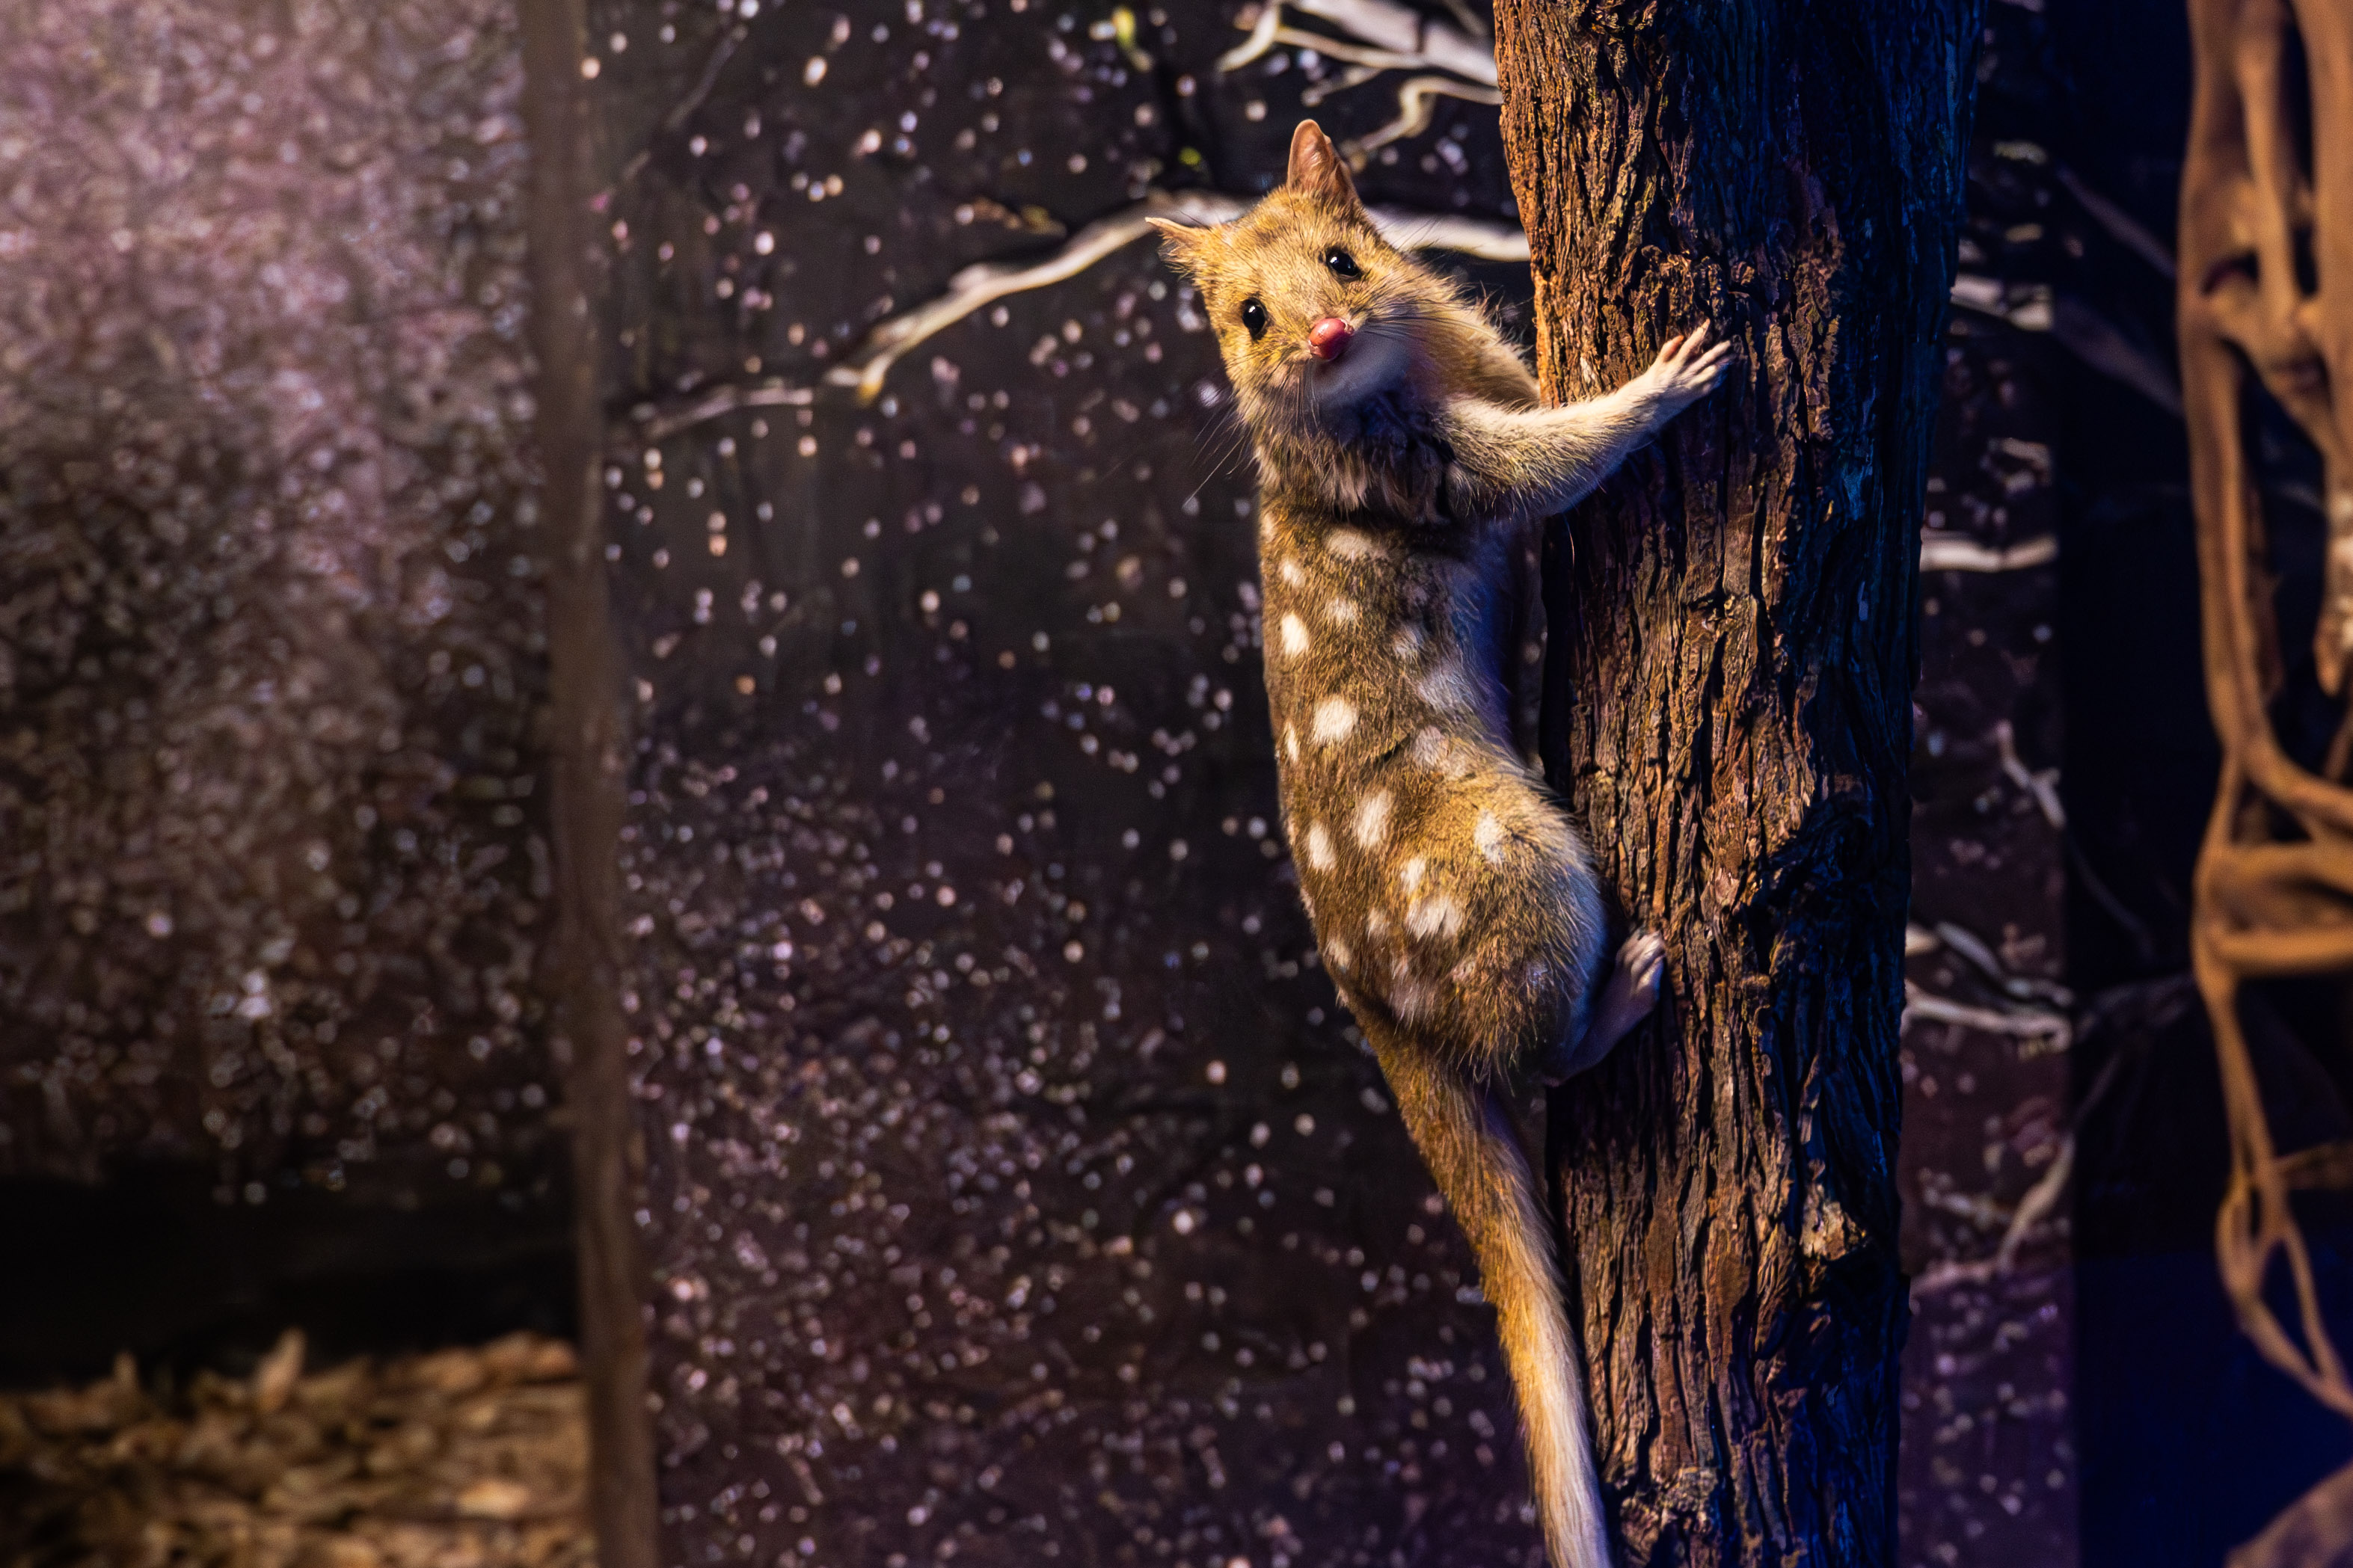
(1396, 33)
(1417, 100)
(1956, 552)
(2042, 784)
(2040, 1202)
(2080, 330)
(2021, 1023)
(862, 371)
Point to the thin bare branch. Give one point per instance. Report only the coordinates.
(1330, 48)
(2019, 1022)
(1260, 42)
(659, 424)
(2043, 786)
(1958, 939)
(2121, 226)
(1417, 100)
(1957, 553)
(984, 283)
(1379, 33)
(2079, 329)
(1475, 237)
(683, 110)
(2038, 1205)
(862, 372)
(1402, 30)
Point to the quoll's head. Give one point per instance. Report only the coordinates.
(1314, 312)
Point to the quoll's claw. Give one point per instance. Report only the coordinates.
(1645, 960)
(1628, 997)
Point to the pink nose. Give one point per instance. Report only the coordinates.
(1328, 339)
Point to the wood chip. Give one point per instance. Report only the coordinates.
(494, 1499)
(275, 1378)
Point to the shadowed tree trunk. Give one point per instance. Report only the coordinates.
(1727, 703)
(587, 748)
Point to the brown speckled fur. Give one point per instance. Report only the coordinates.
(1450, 896)
(1455, 904)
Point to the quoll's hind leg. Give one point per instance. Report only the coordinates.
(1627, 998)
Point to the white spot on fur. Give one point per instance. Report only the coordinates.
(1376, 922)
(1489, 836)
(1433, 748)
(1291, 743)
(1410, 873)
(1341, 611)
(1288, 569)
(1407, 643)
(1335, 717)
(1438, 915)
(1445, 686)
(1338, 954)
(1372, 819)
(1294, 636)
(1410, 1001)
(1319, 848)
(1350, 545)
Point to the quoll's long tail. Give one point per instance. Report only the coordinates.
(1467, 1138)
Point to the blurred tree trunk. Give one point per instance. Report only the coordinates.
(1727, 703)
(586, 755)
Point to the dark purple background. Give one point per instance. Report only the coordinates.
(1017, 1189)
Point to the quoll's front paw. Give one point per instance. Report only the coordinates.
(1685, 371)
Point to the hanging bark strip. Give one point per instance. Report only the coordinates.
(587, 750)
(1728, 705)
(2275, 885)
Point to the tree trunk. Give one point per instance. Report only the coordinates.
(1733, 644)
(586, 752)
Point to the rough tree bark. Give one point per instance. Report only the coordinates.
(1727, 704)
(585, 748)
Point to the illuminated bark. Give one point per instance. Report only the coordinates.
(1733, 643)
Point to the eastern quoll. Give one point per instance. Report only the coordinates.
(1403, 458)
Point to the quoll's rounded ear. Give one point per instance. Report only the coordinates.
(1317, 169)
(1179, 242)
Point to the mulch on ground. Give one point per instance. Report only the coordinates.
(472, 1457)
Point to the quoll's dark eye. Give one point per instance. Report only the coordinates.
(1254, 317)
(1341, 263)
